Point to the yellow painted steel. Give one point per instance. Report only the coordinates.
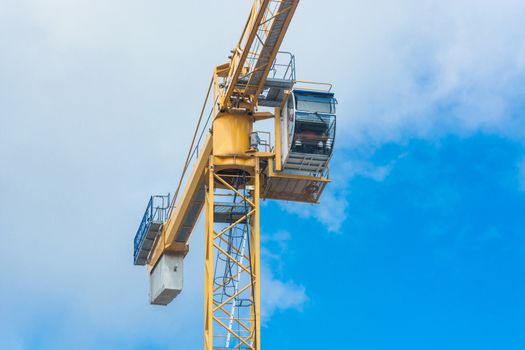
(231, 134)
(291, 11)
(260, 32)
(168, 239)
(240, 53)
(231, 141)
(256, 255)
(258, 116)
(217, 318)
(209, 263)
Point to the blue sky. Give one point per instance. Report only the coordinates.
(418, 244)
(430, 257)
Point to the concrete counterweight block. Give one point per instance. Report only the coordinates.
(166, 279)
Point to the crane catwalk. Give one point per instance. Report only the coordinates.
(233, 167)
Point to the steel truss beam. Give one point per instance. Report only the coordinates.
(232, 264)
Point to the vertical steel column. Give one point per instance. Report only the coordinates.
(256, 253)
(232, 268)
(209, 262)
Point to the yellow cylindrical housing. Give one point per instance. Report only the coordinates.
(231, 134)
(231, 141)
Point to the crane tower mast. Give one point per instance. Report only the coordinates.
(233, 168)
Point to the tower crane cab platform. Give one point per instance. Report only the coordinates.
(307, 127)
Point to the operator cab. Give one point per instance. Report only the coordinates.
(308, 132)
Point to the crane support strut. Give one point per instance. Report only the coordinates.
(232, 260)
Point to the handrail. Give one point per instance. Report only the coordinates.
(278, 65)
(241, 52)
(255, 53)
(328, 85)
(156, 210)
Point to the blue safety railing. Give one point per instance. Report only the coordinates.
(156, 212)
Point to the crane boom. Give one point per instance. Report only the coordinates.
(181, 221)
(258, 46)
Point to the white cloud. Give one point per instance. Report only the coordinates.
(94, 119)
(334, 207)
(331, 212)
(417, 68)
(277, 295)
(410, 69)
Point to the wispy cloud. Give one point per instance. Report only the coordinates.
(278, 294)
(413, 69)
(331, 212)
(335, 205)
(420, 68)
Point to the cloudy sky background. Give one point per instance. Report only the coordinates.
(419, 242)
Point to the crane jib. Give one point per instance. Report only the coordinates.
(257, 50)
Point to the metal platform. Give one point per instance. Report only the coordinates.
(293, 187)
(281, 78)
(307, 190)
(274, 92)
(149, 228)
(230, 212)
(306, 163)
(271, 39)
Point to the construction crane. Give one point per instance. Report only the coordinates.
(233, 167)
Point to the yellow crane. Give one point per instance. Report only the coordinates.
(233, 168)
